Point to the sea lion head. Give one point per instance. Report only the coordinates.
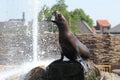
(59, 19)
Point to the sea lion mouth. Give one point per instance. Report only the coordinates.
(55, 16)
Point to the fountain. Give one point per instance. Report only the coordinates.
(18, 71)
(14, 73)
(35, 31)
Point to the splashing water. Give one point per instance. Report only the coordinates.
(22, 69)
(35, 31)
(19, 72)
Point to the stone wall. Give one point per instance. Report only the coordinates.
(105, 49)
(15, 49)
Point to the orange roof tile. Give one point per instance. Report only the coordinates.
(103, 22)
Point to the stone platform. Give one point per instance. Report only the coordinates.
(63, 70)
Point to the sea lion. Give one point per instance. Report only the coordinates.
(71, 47)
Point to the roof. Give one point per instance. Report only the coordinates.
(84, 28)
(115, 29)
(103, 22)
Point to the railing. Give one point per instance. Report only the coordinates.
(106, 68)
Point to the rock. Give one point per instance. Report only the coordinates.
(64, 70)
(35, 74)
(117, 71)
(110, 76)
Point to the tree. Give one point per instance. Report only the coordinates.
(45, 13)
(78, 15)
(61, 7)
(73, 17)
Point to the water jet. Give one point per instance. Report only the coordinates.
(16, 71)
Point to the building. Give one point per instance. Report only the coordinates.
(102, 26)
(18, 20)
(84, 28)
(115, 30)
(13, 26)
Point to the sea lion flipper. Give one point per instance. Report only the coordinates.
(84, 64)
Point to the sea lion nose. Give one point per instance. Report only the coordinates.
(56, 12)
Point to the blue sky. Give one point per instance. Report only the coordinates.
(96, 9)
(12, 9)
